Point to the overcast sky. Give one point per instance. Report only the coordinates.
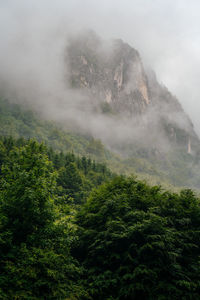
(165, 32)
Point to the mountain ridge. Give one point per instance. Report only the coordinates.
(119, 81)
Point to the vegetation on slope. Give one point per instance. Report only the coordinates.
(62, 239)
(179, 169)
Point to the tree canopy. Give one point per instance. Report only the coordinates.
(139, 243)
(70, 229)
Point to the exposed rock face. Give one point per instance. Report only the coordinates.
(117, 77)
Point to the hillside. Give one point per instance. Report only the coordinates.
(114, 112)
(142, 121)
(62, 239)
(117, 84)
(18, 122)
(73, 223)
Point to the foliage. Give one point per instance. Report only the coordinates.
(18, 122)
(139, 243)
(106, 108)
(95, 147)
(62, 239)
(35, 248)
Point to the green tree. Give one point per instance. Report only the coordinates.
(27, 186)
(96, 147)
(137, 243)
(71, 182)
(34, 242)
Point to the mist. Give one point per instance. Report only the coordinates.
(34, 37)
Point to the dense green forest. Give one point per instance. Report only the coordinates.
(71, 229)
(99, 160)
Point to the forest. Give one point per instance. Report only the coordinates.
(99, 150)
(173, 170)
(72, 229)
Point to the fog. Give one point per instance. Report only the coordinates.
(34, 37)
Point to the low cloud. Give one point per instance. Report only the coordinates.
(34, 37)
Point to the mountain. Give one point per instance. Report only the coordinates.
(114, 78)
(16, 121)
(122, 116)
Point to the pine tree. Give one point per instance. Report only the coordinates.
(34, 246)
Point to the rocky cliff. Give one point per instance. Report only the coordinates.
(114, 76)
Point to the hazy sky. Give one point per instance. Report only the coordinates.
(166, 33)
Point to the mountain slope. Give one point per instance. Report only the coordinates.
(123, 117)
(116, 81)
(172, 171)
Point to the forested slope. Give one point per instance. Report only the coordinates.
(172, 171)
(17, 122)
(60, 239)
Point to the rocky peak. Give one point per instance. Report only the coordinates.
(115, 75)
